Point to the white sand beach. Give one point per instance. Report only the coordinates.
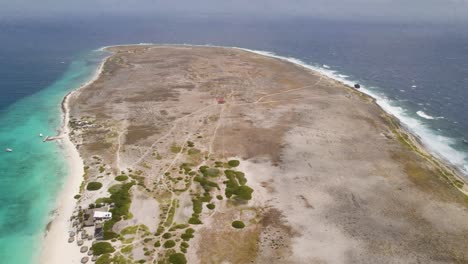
(55, 246)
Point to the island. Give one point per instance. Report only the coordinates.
(192, 154)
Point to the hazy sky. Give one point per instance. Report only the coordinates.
(436, 10)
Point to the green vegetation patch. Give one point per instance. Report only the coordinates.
(210, 206)
(193, 151)
(175, 149)
(167, 235)
(104, 259)
(234, 186)
(233, 163)
(100, 248)
(177, 258)
(169, 244)
(188, 234)
(121, 178)
(93, 186)
(206, 184)
(122, 199)
(103, 200)
(129, 230)
(238, 224)
(127, 249)
(108, 235)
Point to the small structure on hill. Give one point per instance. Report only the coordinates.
(220, 100)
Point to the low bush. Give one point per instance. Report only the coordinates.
(104, 259)
(93, 186)
(195, 221)
(169, 244)
(121, 178)
(100, 248)
(210, 206)
(167, 235)
(233, 163)
(177, 258)
(238, 224)
(108, 235)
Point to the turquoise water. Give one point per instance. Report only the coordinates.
(32, 175)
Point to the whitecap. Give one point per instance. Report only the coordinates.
(424, 115)
(326, 66)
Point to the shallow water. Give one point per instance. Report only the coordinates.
(34, 172)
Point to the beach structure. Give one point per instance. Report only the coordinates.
(102, 216)
(98, 231)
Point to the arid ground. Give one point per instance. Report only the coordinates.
(334, 178)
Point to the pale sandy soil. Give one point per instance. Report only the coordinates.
(333, 180)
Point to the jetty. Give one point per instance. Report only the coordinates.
(47, 138)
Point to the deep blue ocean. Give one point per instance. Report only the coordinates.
(417, 71)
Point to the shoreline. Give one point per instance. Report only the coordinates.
(54, 247)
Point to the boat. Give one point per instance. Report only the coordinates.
(40, 134)
(465, 141)
(9, 150)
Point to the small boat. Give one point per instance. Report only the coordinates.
(40, 134)
(465, 141)
(9, 150)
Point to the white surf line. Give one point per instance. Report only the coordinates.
(166, 135)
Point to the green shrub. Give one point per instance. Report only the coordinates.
(127, 249)
(167, 235)
(129, 230)
(121, 199)
(169, 244)
(210, 206)
(104, 259)
(100, 248)
(241, 177)
(193, 151)
(93, 186)
(195, 221)
(103, 200)
(108, 235)
(77, 196)
(244, 193)
(121, 178)
(184, 245)
(212, 172)
(238, 224)
(233, 163)
(219, 197)
(115, 188)
(157, 244)
(177, 258)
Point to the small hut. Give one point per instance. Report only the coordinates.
(221, 100)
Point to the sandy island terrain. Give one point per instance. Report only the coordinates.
(218, 155)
